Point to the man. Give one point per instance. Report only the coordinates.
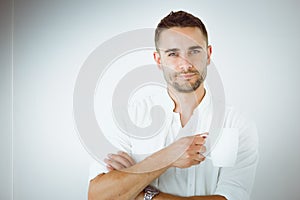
(174, 168)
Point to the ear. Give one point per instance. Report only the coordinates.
(209, 52)
(157, 59)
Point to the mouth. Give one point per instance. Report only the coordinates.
(186, 75)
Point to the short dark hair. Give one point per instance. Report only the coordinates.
(179, 19)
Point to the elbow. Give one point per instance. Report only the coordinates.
(101, 189)
(95, 191)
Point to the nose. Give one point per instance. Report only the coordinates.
(184, 63)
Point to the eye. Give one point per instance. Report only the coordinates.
(194, 51)
(172, 54)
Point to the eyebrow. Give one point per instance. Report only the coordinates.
(171, 50)
(176, 49)
(195, 47)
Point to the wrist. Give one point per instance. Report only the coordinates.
(150, 192)
(163, 196)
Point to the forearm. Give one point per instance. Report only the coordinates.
(164, 196)
(120, 185)
(128, 183)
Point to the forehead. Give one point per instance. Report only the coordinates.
(181, 37)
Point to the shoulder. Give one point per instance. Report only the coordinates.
(142, 109)
(234, 118)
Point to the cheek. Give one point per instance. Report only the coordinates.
(170, 64)
(167, 70)
(199, 58)
(169, 61)
(200, 63)
(169, 73)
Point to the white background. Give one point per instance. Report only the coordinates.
(256, 47)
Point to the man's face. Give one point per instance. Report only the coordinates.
(183, 56)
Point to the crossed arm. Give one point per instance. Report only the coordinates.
(125, 183)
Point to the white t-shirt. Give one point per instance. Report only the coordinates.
(234, 182)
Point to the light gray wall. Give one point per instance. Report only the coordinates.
(6, 100)
(255, 47)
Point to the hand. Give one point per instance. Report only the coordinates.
(190, 150)
(118, 161)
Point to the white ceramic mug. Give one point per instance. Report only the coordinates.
(224, 152)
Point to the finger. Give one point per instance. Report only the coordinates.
(198, 157)
(202, 149)
(109, 168)
(120, 159)
(129, 158)
(204, 135)
(197, 160)
(199, 140)
(114, 164)
(196, 149)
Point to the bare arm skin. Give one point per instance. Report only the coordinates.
(164, 196)
(120, 185)
(127, 186)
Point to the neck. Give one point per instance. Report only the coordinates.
(185, 103)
